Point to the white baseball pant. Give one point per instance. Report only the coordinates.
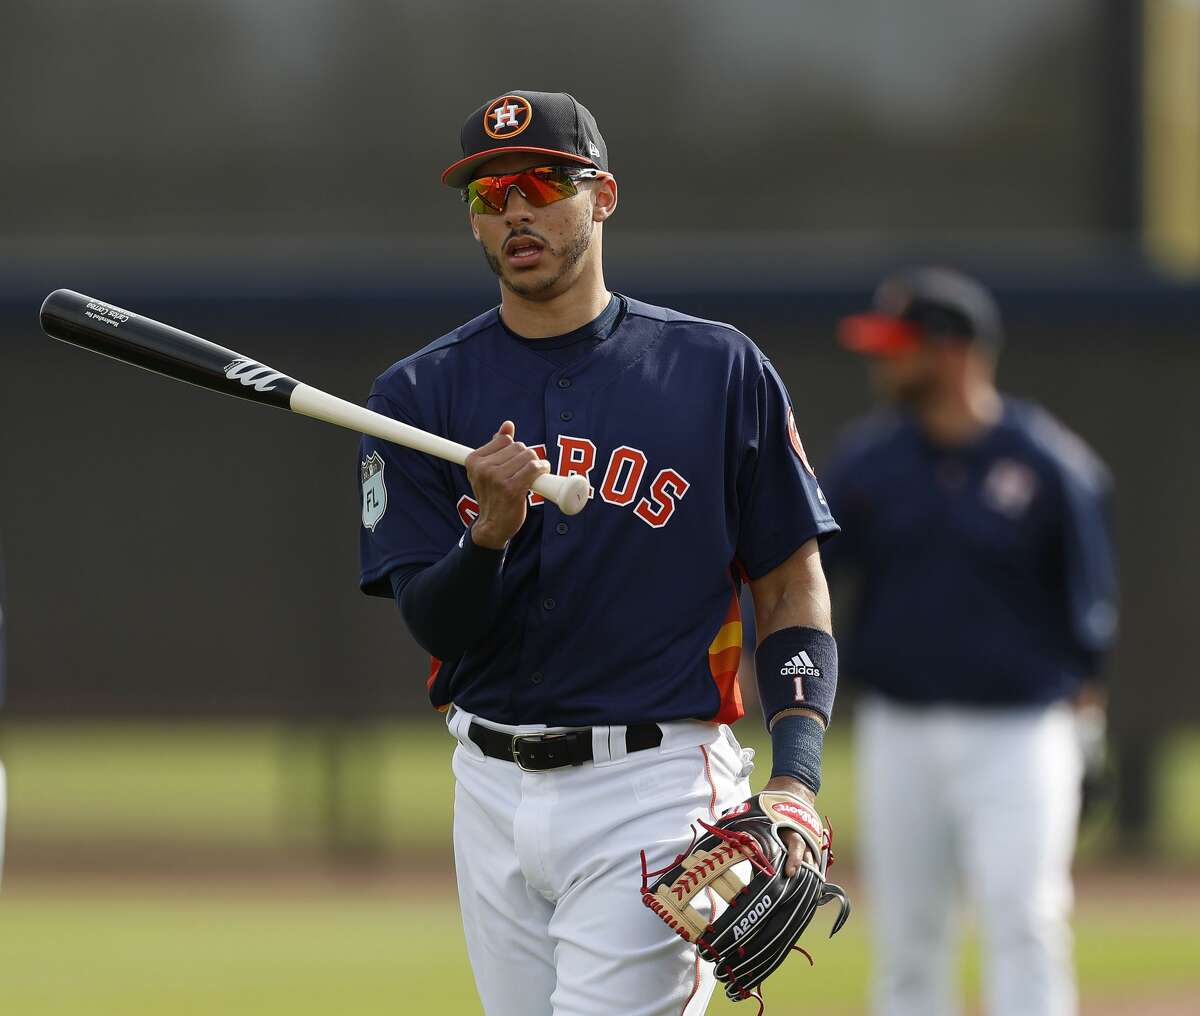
(549, 873)
(981, 800)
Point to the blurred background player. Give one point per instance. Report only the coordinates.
(977, 529)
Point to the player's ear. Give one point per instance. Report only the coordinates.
(604, 200)
(474, 225)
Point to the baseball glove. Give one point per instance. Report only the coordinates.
(764, 916)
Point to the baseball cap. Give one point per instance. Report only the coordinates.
(550, 123)
(922, 304)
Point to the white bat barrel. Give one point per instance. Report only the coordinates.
(570, 493)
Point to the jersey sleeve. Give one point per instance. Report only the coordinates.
(781, 504)
(1089, 562)
(408, 510)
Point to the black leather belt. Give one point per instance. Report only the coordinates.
(535, 753)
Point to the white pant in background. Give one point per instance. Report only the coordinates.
(985, 800)
(3, 814)
(549, 874)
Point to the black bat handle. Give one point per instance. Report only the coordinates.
(128, 337)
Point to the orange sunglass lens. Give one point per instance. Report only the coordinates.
(546, 187)
(540, 187)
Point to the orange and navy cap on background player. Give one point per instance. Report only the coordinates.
(924, 304)
(550, 123)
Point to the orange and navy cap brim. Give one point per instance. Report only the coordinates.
(878, 334)
(460, 173)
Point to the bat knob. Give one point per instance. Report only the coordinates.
(575, 491)
(570, 493)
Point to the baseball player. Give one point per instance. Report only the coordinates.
(587, 664)
(977, 527)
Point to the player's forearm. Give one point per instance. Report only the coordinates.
(803, 604)
(451, 604)
(793, 595)
(796, 667)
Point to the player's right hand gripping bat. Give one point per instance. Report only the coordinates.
(123, 335)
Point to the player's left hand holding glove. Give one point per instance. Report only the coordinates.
(765, 915)
(799, 849)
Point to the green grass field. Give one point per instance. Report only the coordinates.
(194, 950)
(260, 933)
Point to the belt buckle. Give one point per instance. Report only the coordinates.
(516, 751)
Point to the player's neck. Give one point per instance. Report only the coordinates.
(961, 415)
(584, 301)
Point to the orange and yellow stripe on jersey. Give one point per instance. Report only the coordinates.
(724, 658)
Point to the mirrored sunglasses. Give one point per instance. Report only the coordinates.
(540, 186)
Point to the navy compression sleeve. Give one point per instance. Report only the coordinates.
(450, 604)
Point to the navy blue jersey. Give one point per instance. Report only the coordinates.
(986, 572)
(628, 611)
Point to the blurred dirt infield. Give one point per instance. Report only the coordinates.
(431, 870)
(1183, 1004)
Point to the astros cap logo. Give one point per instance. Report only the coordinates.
(507, 116)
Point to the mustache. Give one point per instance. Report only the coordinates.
(525, 231)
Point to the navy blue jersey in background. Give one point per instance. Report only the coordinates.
(628, 611)
(985, 573)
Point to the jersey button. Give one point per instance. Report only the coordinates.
(536, 677)
(564, 382)
(561, 529)
(549, 603)
(566, 414)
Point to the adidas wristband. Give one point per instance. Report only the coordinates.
(797, 668)
(796, 744)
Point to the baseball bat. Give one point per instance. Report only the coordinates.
(128, 337)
